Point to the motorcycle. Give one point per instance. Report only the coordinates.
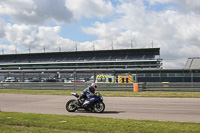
(93, 104)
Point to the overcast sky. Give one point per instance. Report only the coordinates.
(172, 25)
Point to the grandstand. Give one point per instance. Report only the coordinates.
(193, 63)
(102, 59)
(145, 63)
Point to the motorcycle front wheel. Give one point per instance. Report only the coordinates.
(99, 107)
(70, 107)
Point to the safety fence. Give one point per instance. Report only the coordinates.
(144, 86)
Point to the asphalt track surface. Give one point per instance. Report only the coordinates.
(139, 108)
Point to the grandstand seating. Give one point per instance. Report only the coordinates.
(149, 57)
(84, 58)
(135, 57)
(102, 55)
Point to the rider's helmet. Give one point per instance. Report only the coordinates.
(94, 85)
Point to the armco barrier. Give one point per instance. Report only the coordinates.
(173, 86)
(144, 86)
(65, 86)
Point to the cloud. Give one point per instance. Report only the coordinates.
(15, 7)
(171, 30)
(36, 11)
(2, 28)
(37, 38)
(90, 8)
(187, 5)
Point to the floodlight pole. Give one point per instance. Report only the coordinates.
(131, 44)
(59, 48)
(93, 47)
(112, 45)
(15, 49)
(44, 49)
(29, 48)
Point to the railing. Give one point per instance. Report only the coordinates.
(149, 86)
(173, 86)
(65, 86)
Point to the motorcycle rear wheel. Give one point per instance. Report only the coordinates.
(70, 107)
(99, 107)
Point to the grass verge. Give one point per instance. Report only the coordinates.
(109, 93)
(27, 122)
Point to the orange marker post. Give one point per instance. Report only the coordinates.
(135, 87)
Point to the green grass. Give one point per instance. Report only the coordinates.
(27, 122)
(109, 93)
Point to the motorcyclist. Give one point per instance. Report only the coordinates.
(90, 90)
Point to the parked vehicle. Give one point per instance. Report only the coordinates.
(30, 80)
(122, 78)
(10, 79)
(105, 79)
(93, 104)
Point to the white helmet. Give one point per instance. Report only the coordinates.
(94, 85)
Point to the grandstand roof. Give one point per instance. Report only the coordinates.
(193, 63)
(144, 51)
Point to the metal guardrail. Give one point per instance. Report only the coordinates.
(172, 86)
(65, 86)
(144, 86)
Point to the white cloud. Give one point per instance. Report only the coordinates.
(36, 11)
(43, 11)
(2, 28)
(171, 30)
(189, 5)
(103, 30)
(15, 7)
(21, 37)
(90, 8)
